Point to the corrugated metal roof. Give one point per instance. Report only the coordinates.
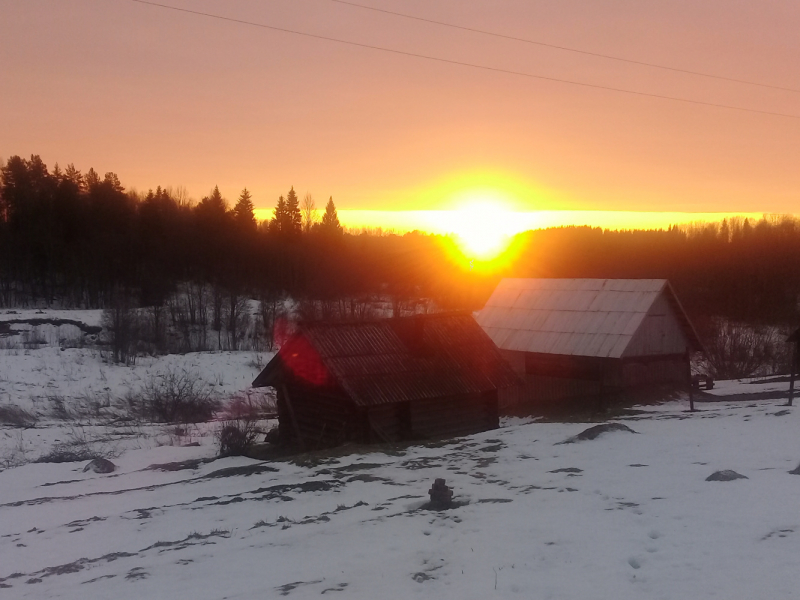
(396, 360)
(576, 317)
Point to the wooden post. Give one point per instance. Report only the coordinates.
(691, 387)
(795, 361)
(601, 399)
(293, 417)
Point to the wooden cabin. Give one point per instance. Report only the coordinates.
(428, 376)
(585, 340)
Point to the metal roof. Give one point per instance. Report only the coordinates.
(576, 317)
(396, 360)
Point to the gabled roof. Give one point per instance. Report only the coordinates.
(576, 317)
(395, 360)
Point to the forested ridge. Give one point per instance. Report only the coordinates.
(79, 240)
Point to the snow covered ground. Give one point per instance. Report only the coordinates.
(626, 515)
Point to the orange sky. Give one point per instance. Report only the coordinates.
(164, 98)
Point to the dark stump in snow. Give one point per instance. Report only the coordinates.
(441, 495)
(596, 431)
(100, 465)
(726, 475)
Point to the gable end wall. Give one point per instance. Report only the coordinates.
(660, 332)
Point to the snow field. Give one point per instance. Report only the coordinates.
(622, 516)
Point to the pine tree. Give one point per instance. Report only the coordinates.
(74, 176)
(243, 212)
(111, 181)
(330, 220)
(213, 206)
(92, 179)
(294, 219)
(278, 223)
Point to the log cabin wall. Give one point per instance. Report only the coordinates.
(645, 371)
(454, 416)
(316, 417)
(389, 422)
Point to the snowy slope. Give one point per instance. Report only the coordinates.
(624, 516)
(633, 517)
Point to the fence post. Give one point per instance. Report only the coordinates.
(795, 361)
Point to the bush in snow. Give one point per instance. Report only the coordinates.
(174, 396)
(737, 350)
(236, 437)
(79, 446)
(15, 416)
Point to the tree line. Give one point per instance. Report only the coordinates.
(80, 240)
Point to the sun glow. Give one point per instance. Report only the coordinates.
(483, 227)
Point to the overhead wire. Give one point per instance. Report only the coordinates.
(462, 63)
(564, 48)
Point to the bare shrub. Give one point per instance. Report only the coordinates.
(16, 417)
(259, 403)
(17, 455)
(126, 328)
(58, 407)
(737, 350)
(237, 436)
(10, 343)
(270, 310)
(237, 319)
(174, 396)
(79, 446)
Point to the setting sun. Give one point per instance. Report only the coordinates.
(483, 228)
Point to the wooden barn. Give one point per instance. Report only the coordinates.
(588, 339)
(427, 376)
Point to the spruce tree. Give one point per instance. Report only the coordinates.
(212, 206)
(278, 223)
(330, 220)
(243, 211)
(294, 219)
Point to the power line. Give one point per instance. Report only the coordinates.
(565, 48)
(462, 63)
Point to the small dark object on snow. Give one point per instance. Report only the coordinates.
(703, 382)
(726, 475)
(273, 436)
(795, 471)
(100, 465)
(597, 430)
(441, 495)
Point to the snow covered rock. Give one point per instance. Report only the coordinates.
(726, 475)
(596, 431)
(100, 465)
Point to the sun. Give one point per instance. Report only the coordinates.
(483, 228)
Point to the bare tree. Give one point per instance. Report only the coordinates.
(237, 318)
(308, 209)
(736, 350)
(270, 310)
